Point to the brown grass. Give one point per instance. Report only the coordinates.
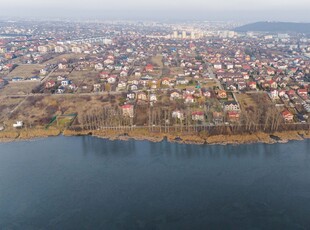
(25, 70)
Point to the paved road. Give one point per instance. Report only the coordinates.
(212, 75)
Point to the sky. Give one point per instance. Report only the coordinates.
(223, 10)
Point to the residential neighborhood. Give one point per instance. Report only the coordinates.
(154, 75)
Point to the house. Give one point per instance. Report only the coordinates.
(221, 94)
(241, 85)
(206, 93)
(233, 116)
(231, 86)
(50, 84)
(104, 74)
(137, 73)
(149, 68)
(217, 66)
(198, 116)
(231, 106)
(65, 82)
(128, 110)
(18, 124)
(62, 66)
(61, 78)
(43, 71)
(282, 93)
(165, 82)
(181, 81)
(16, 79)
(175, 95)
(131, 95)
(287, 116)
(108, 62)
(274, 94)
(111, 79)
(121, 85)
(153, 84)
(291, 93)
(283, 84)
(303, 93)
(118, 67)
(142, 96)
(217, 117)
(153, 98)
(60, 90)
(98, 66)
(177, 114)
(34, 78)
(273, 84)
(73, 86)
(97, 88)
(189, 98)
(252, 85)
(133, 87)
(190, 91)
(270, 71)
(134, 82)
(229, 65)
(123, 73)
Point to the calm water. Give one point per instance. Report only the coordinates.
(90, 183)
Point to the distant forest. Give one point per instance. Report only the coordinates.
(275, 27)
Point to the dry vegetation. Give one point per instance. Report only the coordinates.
(39, 110)
(26, 71)
(19, 88)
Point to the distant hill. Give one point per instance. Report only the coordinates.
(275, 27)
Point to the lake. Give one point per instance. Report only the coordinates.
(91, 183)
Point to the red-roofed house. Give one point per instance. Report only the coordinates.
(127, 110)
(198, 116)
(302, 93)
(287, 115)
(233, 116)
(149, 68)
(50, 84)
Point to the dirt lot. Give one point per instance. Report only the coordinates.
(209, 84)
(157, 61)
(176, 70)
(84, 78)
(26, 71)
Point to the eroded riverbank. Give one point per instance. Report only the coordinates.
(185, 138)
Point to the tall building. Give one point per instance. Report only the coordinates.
(43, 49)
(175, 34)
(193, 35)
(59, 49)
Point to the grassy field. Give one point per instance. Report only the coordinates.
(209, 84)
(246, 101)
(26, 71)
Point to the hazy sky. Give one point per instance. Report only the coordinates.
(284, 10)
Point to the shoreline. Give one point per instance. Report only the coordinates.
(182, 138)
